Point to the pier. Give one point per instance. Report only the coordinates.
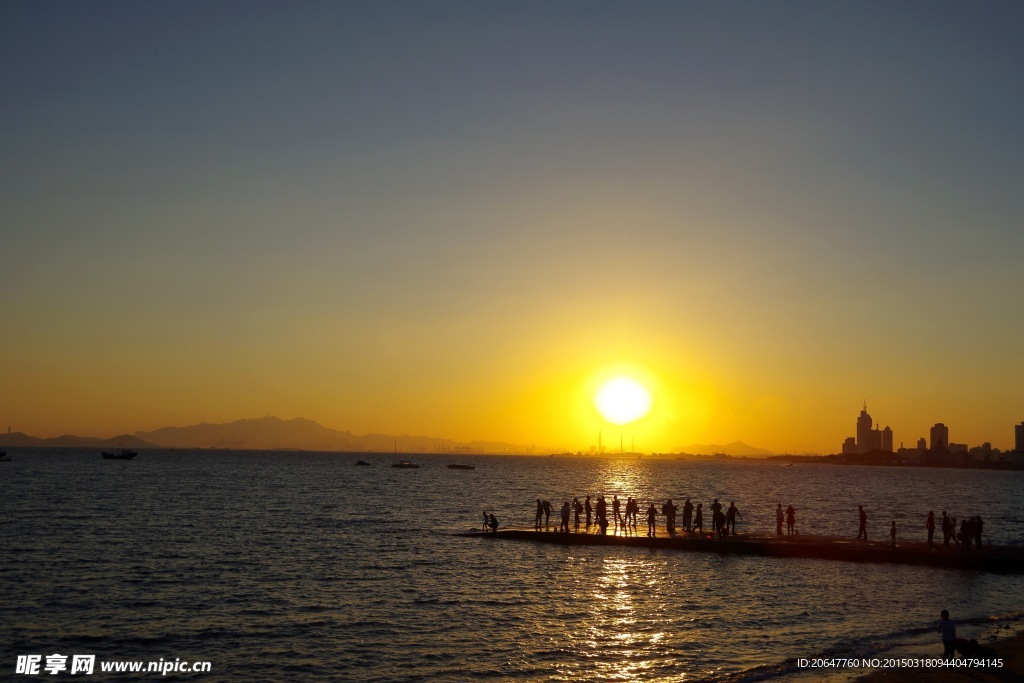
(994, 558)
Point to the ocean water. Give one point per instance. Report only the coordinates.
(304, 567)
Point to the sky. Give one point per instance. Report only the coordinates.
(457, 219)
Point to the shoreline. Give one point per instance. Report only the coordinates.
(1009, 649)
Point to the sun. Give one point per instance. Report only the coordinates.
(622, 400)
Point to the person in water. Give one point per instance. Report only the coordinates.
(947, 627)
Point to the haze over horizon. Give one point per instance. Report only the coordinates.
(460, 219)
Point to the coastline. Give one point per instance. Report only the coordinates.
(1010, 650)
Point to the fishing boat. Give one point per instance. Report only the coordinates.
(461, 467)
(123, 454)
(405, 464)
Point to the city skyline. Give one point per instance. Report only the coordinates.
(464, 219)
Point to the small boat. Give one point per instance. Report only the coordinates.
(123, 454)
(405, 464)
(3, 457)
(461, 467)
(363, 463)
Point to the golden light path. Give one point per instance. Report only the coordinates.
(622, 400)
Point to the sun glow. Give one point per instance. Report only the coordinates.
(622, 400)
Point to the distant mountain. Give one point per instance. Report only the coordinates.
(273, 433)
(20, 440)
(734, 448)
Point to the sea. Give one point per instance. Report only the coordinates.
(302, 566)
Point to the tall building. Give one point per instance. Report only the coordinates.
(868, 438)
(1019, 441)
(940, 437)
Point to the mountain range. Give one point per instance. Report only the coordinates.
(273, 433)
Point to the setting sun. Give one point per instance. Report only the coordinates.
(622, 400)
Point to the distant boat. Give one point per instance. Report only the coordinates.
(363, 463)
(405, 464)
(123, 454)
(461, 467)
(3, 457)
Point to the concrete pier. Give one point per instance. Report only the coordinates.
(1007, 559)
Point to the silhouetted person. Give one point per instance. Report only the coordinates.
(636, 510)
(547, 514)
(965, 536)
(780, 517)
(977, 532)
(892, 533)
(698, 519)
(484, 527)
(790, 520)
(493, 523)
(630, 511)
(953, 532)
(947, 528)
(564, 526)
(719, 522)
(588, 509)
(669, 510)
(863, 530)
(602, 512)
(688, 515)
(930, 526)
(947, 627)
(716, 507)
(730, 518)
(540, 515)
(652, 516)
(615, 510)
(577, 507)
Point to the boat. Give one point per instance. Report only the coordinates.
(461, 467)
(123, 454)
(405, 464)
(363, 463)
(3, 457)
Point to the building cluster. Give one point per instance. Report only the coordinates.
(937, 448)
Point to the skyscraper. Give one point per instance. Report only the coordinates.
(940, 437)
(1019, 441)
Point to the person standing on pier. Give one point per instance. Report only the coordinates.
(588, 509)
(669, 510)
(730, 518)
(930, 526)
(688, 516)
(863, 530)
(547, 514)
(780, 516)
(892, 534)
(540, 515)
(602, 513)
(790, 520)
(577, 507)
(615, 510)
(947, 527)
(652, 516)
(947, 627)
(965, 535)
(716, 507)
(564, 526)
(698, 519)
(977, 532)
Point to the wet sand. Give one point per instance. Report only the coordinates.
(1010, 650)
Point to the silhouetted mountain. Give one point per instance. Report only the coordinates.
(734, 448)
(20, 440)
(272, 433)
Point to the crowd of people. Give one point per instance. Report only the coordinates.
(624, 518)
